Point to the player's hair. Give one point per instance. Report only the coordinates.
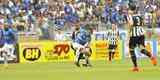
(132, 5)
(77, 28)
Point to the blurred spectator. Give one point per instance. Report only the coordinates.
(41, 15)
(121, 19)
(59, 36)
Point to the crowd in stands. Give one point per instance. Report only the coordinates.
(41, 15)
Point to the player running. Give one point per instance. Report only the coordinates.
(3, 53)
(10, 42)
(137, 38)
(81, 45)
(113, 39)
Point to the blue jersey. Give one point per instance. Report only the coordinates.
(26, 3)
(110, 14)
(71, 18)
(121, 18)
(113, 16)
(60, 23)
(9, 36)
(83, 37)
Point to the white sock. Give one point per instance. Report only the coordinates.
(77, 55)
(5, 58)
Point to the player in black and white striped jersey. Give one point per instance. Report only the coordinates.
(137, 29)
(137, 38)
(113, 36)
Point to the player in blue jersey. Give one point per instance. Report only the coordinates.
(6, 47)
(10, 41)
(81, 44)
(121, 19)
(2, 42)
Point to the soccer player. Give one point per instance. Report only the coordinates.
(137, 38)
(81, 45)
(3, 54)
(113, 39)
(121, 19)
(10, 41)
(148, 19)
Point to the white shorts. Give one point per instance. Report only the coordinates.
(9, 49)
(81, 48)
(2, 49)
(77, 46)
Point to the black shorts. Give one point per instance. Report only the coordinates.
(112, 47)
(136, 41)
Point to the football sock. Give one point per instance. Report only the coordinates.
(77, 56)
(110, 56)
(113, 55)
(134, 58)
(5, 59)
(145, 52)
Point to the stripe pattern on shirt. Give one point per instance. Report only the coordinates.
(136, 31)
(113, 37)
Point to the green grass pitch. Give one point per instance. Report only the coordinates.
(101, 70)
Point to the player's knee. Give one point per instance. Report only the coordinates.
(90, 50)
(1, 54)
(144, 51)
(142, 47)
(131, 50)
(81, 49)
(132, 53)
(133, 57)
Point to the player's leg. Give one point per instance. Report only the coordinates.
(1, 53)
(114, 51)
(133, 57)
(87, 56)
(141, 44)
(12, 50)
(145, 51)
(4, 52)
(134, 60)
(73, 49)
(78, 49)
(110, 52)
(77, 58)
(132, 45)
(5, 55)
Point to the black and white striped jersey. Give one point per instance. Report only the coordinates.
(137, 29)
(113, 37)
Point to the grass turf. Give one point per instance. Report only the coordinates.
(101, 70)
